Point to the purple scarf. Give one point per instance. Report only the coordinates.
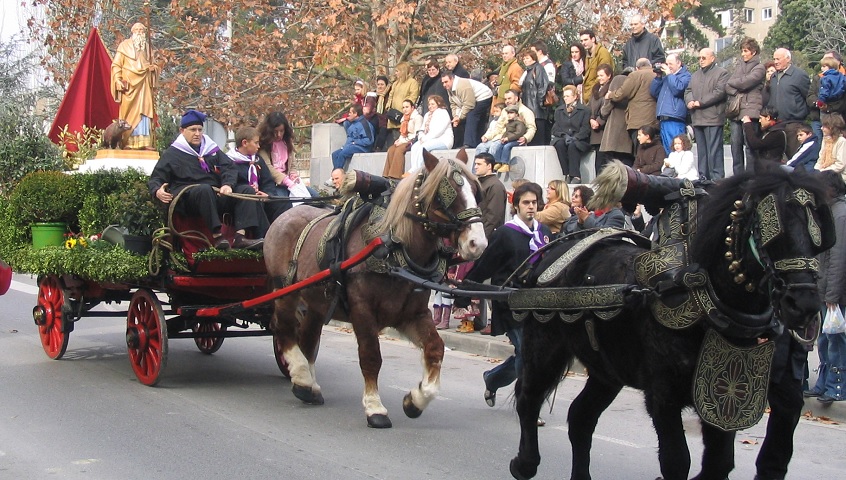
(207, 147)
(534, 234)
(239, 157)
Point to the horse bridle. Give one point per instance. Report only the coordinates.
(444, 198)
(766, 227)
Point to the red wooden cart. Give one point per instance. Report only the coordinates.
(216, 300)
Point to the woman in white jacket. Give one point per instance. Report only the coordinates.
(435, 134)
(412, 122)
(681, 159)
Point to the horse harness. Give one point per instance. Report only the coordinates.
(680, 295)
(367, 211)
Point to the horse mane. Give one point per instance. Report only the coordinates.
(395, 220)
(708, 245)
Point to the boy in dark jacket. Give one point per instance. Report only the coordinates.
(515, 128)
(809, 150)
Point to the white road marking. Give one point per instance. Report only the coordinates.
(616, 441)
(24, 288)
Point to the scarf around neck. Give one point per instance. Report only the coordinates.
(252, 176)
(207, 147)
(535, 239)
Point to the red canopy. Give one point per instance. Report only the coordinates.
(88, 100)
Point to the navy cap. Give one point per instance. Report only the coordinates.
(192, 117)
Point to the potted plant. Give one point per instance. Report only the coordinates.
(141, 217)
(46, 202)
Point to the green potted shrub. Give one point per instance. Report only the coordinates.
(47, 203)
(140, 217)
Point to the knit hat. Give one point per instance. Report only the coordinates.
(192, 117)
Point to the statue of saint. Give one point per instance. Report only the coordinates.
(134, 78)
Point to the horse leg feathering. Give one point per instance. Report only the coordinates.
(422, 334)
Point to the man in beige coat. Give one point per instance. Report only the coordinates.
(640, 110)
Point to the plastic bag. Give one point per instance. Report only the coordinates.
(298, 190)
(834, 322)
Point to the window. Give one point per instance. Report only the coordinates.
(749, 15)
(722, 43)
(725, 18)
(767, 14)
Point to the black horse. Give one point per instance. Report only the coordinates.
(753, 258)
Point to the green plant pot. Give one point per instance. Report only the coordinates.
(48, 234)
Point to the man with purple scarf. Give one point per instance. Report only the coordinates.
(194, 159)
(508, 247)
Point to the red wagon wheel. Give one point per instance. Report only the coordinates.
(280, 360)
(49, 316)
(146, 336)
(208, 345)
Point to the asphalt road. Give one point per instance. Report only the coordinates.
(232, 415)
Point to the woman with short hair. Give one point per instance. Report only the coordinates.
(746, 82)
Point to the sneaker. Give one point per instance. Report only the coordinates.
(575, 180)
(825, 399)
(490, 395)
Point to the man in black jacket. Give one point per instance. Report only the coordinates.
(788, 91)
(508, 247)
(194, 159)
(642, 45)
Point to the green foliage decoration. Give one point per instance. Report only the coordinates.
(46, 197)
(111, 195)
(100, 261)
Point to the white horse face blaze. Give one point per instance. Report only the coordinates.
(471, 241)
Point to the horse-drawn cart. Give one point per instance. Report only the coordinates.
(217, 300)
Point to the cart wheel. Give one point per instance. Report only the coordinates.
(49, 317)
(146, 336)
(208, 345)
(280, 360)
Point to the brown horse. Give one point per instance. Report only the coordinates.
(438, 202)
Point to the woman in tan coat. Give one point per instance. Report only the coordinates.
(557, 208)
(405, 87)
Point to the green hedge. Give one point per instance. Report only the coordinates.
(100, 261)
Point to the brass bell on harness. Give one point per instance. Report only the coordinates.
(739, 278)
(750, 288)
(729, 256)
(729, 241)
(733, 266)
(738, 204)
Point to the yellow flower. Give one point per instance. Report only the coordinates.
(70, 243)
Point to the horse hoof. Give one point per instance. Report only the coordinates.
(379, 421)
(514, 468)
(410, 409)
(307, 395)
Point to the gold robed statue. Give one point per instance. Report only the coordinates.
(134, 80)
